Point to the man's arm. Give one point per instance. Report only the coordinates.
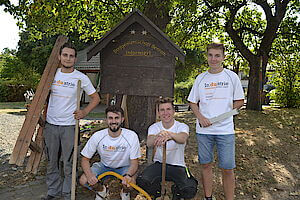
(204, 122)
(130, 174)
(179, 138)
(150, 140)
(238, 103)
(85, 164)
(95, 99)
(164, 136)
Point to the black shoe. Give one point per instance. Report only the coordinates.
(48, 197)
(175, 196)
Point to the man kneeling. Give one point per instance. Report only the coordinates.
(119, 150)
(175, 135)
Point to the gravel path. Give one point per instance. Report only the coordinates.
(10, 126)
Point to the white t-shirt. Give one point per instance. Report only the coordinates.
(215, 94)
(175, 151)
(114, 152)
(63, 97)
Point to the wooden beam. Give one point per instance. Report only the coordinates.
(34, 111)
(35, 157)
(34, 147)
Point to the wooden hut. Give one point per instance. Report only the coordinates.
(138, 60)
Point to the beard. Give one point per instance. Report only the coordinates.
(114, 129)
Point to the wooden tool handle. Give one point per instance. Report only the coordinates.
(163, 176)
(75, 145)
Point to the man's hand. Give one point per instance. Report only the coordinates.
(127, 179)
(162, 138)
(92, 180)
(79, 114)
(204, 122)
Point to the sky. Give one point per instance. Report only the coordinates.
(9, 34)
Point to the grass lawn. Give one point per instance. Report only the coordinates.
(12, 105)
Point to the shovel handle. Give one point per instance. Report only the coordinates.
(163, 176)
(73, 186)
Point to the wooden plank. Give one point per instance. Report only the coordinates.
(32, 117)
(34, 147)
(35, 157)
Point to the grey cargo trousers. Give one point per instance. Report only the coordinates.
(59, 143)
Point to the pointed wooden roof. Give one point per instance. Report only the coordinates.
(136, 16)
(82, 64)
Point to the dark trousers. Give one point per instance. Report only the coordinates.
(185, 185)
(59, 141)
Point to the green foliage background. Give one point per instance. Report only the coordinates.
(190, 24)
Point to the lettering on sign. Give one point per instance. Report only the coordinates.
(138, 53)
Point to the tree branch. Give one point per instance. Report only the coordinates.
(238, 42)
(273, 23)
(265, 6)
(196, 22)
(242, 29)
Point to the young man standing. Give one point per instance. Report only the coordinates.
(119, 150)
(175, 135)
(60, 122)
(215, 92)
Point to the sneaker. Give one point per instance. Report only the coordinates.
(48, 197)
(102, 194)
(125, 196)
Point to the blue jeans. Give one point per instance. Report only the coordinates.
(98, 168)
(225, 148)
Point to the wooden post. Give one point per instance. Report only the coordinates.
(124, 107)
(151, 151)
(74, 166)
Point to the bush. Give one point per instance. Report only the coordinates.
(182, 91)
(286, 81)
(11, 91)
(15, 79)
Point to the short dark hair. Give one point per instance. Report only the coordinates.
(68, 45)
(216, 46)
(162, 100)
(115, 109)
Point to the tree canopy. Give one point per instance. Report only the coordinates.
(248, 28)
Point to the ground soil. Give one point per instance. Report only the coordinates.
(267, 156)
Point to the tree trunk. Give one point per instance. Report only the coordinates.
(158, 13)
(141, 114)
(141, 110)
(255, 85)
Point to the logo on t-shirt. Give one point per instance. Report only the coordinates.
(63, 83)
(114, 148)
(210, 89)
(220, 84)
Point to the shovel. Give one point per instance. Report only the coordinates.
(163, 176)
(75, 145)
